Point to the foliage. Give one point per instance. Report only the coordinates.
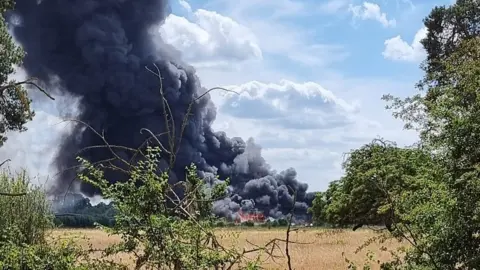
(248, 223)
(14, 101)
(318, 208)
(25, 220)
(432, 192)
(28, 214)
(449, 125)
(61, 255)
(282, 222)
(160, 228)
(374, 175)
(75, 211)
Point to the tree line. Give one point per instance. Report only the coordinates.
(75, 211)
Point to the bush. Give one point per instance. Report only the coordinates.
(173, 234)
(27, 213)
(25, 219)
(220, 224)
(58, 256)
(282, 222)
(248, 223)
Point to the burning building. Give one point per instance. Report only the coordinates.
(253, 216)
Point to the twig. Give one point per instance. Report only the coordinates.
(30, 82)
(5, 161)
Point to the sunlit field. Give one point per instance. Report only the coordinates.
(311, 248)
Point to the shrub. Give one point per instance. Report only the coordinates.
(25, 219)
(282, 222)
(248, 223)
(27, 213)
(58, 255)
(162, 230)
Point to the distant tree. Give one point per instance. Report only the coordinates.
(248, 223)
(318, 208)
(282, 222)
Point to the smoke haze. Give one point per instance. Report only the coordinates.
(96, 51)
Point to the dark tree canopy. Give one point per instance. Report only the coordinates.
(430, 194)
(14, 102)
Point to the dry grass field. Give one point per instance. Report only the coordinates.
(319, 249)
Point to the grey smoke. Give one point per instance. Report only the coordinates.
(98, 50)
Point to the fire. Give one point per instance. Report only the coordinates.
(255, 217)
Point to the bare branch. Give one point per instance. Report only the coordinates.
(29, 82)
(5, 161)
(287, 240)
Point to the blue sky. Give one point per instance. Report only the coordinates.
(310, 75)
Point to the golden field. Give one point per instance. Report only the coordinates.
(316, 248)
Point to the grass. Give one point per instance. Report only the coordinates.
(319, 248)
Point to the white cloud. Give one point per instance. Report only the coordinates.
(288, 105)
(185, 5)
(371, 11)
(399, 50)
(210, 39)
(300, 125)
(270, 21)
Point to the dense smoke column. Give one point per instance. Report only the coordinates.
(97, 50)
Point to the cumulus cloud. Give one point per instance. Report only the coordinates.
(399, 50)
(288, 105)
(209, 39)
(371, 11)
(299, 124)
(278, 37)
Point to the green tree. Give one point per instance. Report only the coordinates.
(445, 224)
(15, 109)
(14, 104)
(446, 110)
(28, 214)
(375, 174)
(25, 222)
(318, 208)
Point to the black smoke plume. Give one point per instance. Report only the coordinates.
(98, 51)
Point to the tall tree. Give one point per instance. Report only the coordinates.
(15, 109)
(446, 111)
(447, 114)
